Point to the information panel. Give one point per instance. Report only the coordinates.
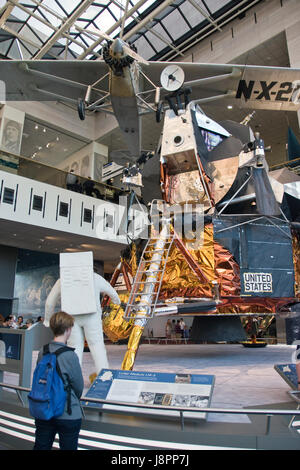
(153, 388)
(288, 373)
(10, 347)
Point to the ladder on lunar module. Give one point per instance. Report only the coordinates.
(146, 286)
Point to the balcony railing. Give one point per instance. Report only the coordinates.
(38, 171)
(293, 165)
(268, 413)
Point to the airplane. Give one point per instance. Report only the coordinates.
(222, 163)
(127, 86)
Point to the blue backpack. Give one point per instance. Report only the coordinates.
(48, 394)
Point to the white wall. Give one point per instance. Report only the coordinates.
(20, 209)
(88, 161)
(58, 116)
(261, 23)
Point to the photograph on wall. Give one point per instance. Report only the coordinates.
(11, 135)
(85, 167)
(10, 163)
(75, 166)
(32, 288)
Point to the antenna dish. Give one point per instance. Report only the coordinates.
(172, 78)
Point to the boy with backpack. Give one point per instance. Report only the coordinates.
(56, 389)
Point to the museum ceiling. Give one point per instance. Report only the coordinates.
(159, 29)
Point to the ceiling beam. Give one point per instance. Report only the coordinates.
(150, 30)
(20, 37)
(39, 3)
(65, 26)
(111, 30)
(47, 23)
(148, 18)
(186, 45)
(206, 15)
(7, 9)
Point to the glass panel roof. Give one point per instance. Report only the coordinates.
(160, 29)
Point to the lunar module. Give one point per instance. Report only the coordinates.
(223, 239)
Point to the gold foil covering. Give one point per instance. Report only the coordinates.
(114, 325)
(133, 260)
(132, 347)
(246, 305)
(227, 271)
(215, 262)
(296, 259)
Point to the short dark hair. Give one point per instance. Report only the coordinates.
(60, 322)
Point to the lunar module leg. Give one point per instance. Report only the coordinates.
(141, 304)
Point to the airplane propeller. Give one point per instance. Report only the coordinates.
(128, 51)
(117, 46)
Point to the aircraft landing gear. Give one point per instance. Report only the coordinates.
(81, 109)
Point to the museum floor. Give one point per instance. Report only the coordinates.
(244, 378)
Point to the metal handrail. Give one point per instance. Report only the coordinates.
(55, 170)
(269, 413)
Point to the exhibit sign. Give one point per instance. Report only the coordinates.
(257, 282)
(288, 373)
(153, 388)
(77, 283)
(10, 347)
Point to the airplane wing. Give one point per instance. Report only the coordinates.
(48, 80)
(254, 87)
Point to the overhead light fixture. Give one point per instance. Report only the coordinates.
(36, 127)
(44, 130)
(229, 106)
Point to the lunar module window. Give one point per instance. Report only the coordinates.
(211, 139)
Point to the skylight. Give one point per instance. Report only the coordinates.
(160, 29)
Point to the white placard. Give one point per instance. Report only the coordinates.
(77, 283)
